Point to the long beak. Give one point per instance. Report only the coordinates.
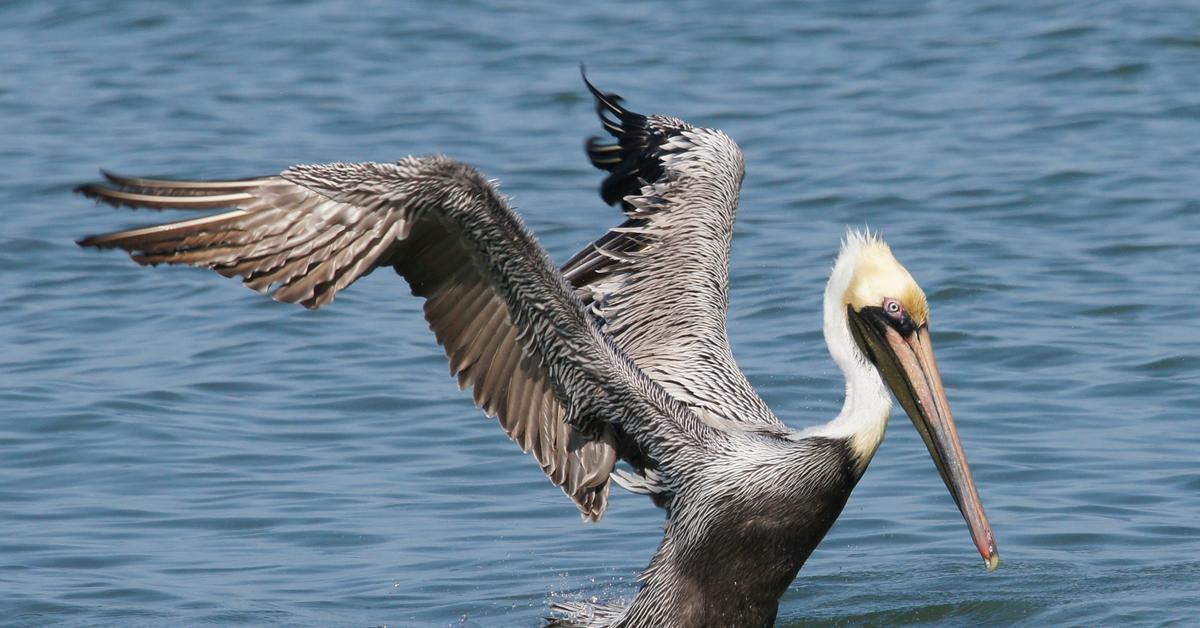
(908, 366)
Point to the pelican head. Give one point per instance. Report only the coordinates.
(887, 315)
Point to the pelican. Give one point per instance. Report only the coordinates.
(620, 355)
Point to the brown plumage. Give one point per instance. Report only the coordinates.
(289, 233)
(623, 353)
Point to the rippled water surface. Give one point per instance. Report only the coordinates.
(176, 449)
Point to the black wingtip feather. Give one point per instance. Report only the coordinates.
(103, 194)
(604, 101)
(603, 155)
(632, 159)
(90, 190)
(94, 242)
(121, 191)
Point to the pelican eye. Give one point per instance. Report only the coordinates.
(898, 316)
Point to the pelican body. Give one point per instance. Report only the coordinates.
(620, 355)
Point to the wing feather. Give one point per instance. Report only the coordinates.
(510, 326)
(659, 281)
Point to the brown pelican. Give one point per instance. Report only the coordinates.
(620, 355)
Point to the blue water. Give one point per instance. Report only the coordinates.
(176, 449)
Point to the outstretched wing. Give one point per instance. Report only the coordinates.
(510, 325)
(660, 280)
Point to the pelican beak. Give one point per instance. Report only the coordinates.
(907, 364)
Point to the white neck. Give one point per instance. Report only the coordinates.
(864, 416)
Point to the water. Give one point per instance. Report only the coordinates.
(175, 448)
